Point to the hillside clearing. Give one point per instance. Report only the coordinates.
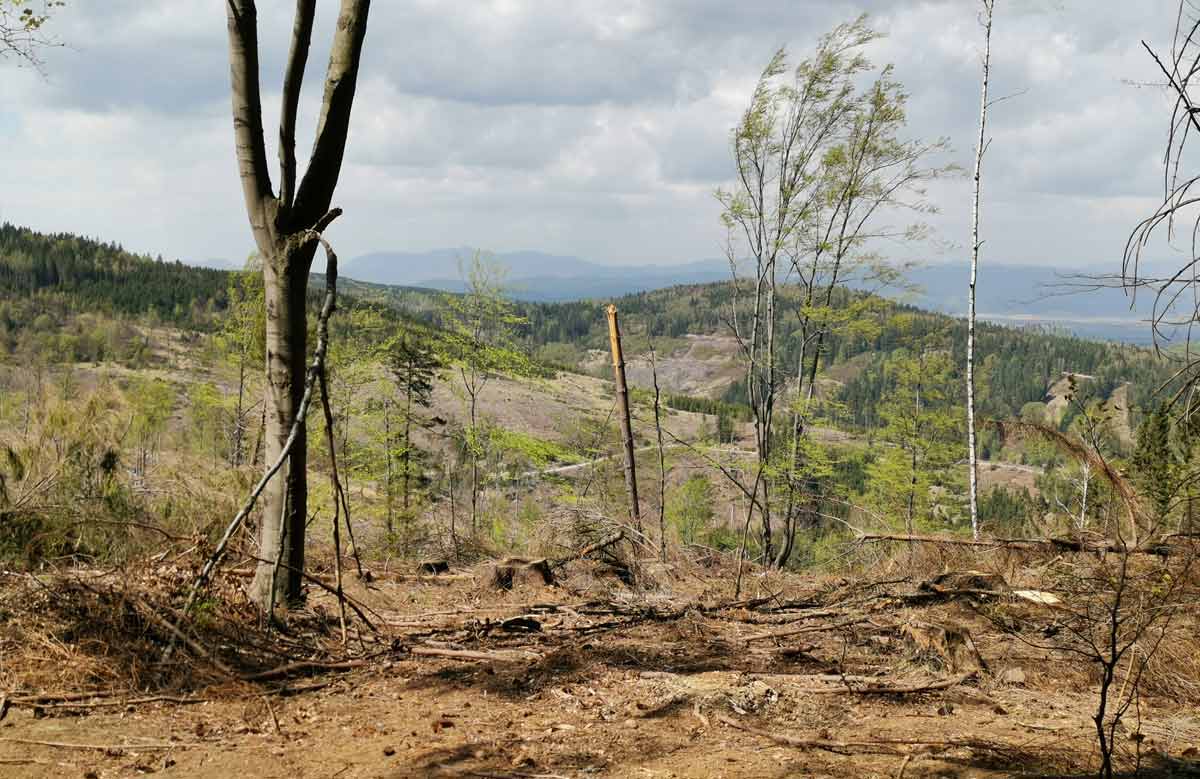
(659, 682)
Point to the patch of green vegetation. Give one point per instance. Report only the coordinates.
(537, 451)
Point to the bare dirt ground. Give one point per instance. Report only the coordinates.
(704, 365)
(557, 410)
(800, 676)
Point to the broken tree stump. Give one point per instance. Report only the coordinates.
(967, 581)
(956, 584)
(516, 572)
(942, 646)
(433, 567)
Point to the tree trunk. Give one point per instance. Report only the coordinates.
(453, 504)
(972, 447)
(1086, 470)
(407, 445)
(239, 420)
(474, 444)
(285, 501)
(618, 358)
(387, 459)
(278, 223)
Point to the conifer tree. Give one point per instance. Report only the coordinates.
(414, 365)
(1154, 463)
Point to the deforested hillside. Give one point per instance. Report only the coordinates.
(770, 515)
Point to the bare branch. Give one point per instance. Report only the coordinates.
(333, 125)
(293, 78)
(242, 18)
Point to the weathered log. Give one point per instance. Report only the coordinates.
(468, 654)
(1058, 544)
(798, 631)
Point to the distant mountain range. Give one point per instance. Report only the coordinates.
(1010, 294)
(1035, 295)
(530, 275)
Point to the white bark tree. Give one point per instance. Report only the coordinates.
(980, 148)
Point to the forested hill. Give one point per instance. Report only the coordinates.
(85, 275)
(1018, 364)
(48, 281)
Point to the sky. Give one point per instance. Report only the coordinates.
(595, 128)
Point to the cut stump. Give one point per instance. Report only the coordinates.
(517, 572)
(942, 646)
(433, 567)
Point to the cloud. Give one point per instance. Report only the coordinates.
(597, 128)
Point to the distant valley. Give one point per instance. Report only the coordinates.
(1017, 295)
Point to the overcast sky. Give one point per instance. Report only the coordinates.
(598, 129)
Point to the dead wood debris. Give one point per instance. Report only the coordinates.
(467, 654)
(883, 746)
(113, 748)
(1170, 544)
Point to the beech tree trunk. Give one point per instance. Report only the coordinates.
(284, 226)
(285, 501)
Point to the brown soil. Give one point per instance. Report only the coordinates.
(703, 365)
(601, 680)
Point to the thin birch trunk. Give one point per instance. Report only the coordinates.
(239, 420)
(407, 442)
(973, 450)
(387, 458)
(474, 469)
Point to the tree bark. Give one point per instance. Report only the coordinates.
(474, 466)
(285, 504)
(618, 357)
(972, 447)
(407, 441)
(281, 228)
(387, 460)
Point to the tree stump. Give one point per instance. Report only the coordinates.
(942, 646)
(973, 582)
(433, 567)
(517, 572)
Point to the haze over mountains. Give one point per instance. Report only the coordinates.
(531, 275)
(1010, 294)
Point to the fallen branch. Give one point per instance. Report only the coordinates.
(84, 704)
(806, 629)
(468, 654)
(303, 665)
(883, 746)
(591, 549)
(112, 747)
(829, 745)
(56, 697)
(1052, 544)
(903, 689)
(439, 578)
